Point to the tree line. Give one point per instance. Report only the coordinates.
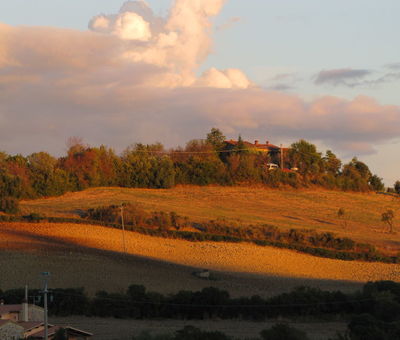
(374, 311)
(200, 162)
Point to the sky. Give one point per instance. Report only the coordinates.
(117, 73)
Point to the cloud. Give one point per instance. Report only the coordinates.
(228, 24)
(283, 82)
(133, 77)
(346, 76)
(393, 66)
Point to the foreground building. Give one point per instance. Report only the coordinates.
(25, 321)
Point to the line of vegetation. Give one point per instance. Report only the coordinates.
(172, 225)
(201, 162)
(374, 311)
(280, 331)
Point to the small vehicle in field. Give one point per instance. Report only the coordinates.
(272, 166)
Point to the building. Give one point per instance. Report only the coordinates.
(70, 332)
(21, 312)
(272, 150)
(25, 321)
(9, 330)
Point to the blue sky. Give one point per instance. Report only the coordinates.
(281, 46)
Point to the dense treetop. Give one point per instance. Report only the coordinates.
(200, 162)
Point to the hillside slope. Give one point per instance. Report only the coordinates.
(261, 270)
(303, 209)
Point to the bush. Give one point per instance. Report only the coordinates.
(34, 217)
(283, 332)
(9, 205)
(193, 333)
(366, 327)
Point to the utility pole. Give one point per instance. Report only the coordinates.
(25, 306)
(281, 157)
(45, 292)
(123, 227)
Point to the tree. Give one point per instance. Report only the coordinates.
(332, 164)
(305, 157)
(360, 168)
(42, 168)
(61, 334)
(283, 331)
(341, 215)
(356, 176)
(376, 183)
(397, 187)
(216, 138)
(9, 205)
(388, 217)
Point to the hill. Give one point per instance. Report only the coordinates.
(300, 209)
(92, 257)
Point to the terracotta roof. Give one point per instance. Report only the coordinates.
(4, 309)
(50, 331)
(3, 322)
(254, 145)
(30, 324)
(53, 329)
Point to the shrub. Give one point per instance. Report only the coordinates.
(34, 217)
(283, 332)
(9, 205)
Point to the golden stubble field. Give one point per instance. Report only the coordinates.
(90, 256)
(303, 209)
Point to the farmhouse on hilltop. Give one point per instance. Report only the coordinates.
(272, 150)
(25, 321)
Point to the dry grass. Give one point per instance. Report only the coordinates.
(224, 257)
(316, 209)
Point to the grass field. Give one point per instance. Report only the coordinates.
(303, 209)
(103, 244)
(109, 329)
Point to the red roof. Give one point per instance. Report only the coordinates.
(53, 329)
(30, 324)
(4, 309)
(266, 146)
(50, 331)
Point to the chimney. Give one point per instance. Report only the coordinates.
(25, 311)
(267, 142)
(256, 142)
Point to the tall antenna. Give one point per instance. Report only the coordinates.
(123, 227)
(45, 275)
